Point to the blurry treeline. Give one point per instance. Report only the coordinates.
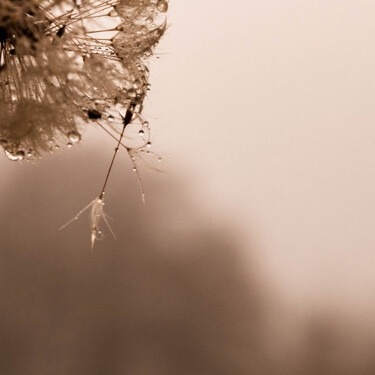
(171, 295)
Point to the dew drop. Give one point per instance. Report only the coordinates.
(148, 145)
(113, 13)
(11, 156)
(146, 124)
(132, 93)
(141, 133)
(162, 6)
(20, 154)
(142, 30)
(147, 53)
(134, 169)
(69, 145)
(94, 114)
(74, 137)
(137, 83)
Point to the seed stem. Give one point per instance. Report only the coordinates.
(126, 120)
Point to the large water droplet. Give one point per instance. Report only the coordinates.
(74, 136)
(141, 133)
(11, 156)
(148, 144)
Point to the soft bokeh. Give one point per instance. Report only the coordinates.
(269, 106)
(255, 250)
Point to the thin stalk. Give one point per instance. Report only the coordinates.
(126, 120)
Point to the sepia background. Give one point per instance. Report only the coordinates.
(255, 252)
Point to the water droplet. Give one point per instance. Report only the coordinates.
(141, 133)
(11, 156)
(148, 144)
(2, 59)
(99, 235)
(137, 83)
(74, 136)
(69, 145)
(132, 93)
(159, 160)
(113, 13)
(111, 118)
(142, 30)
(147, 53)
(94, 114)
(146, 124)
(134, 169)
(149, 20)
(162, 6)
(20, 154)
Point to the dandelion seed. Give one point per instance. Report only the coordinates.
(95, 216)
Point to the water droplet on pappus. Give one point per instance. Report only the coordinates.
(74, 136)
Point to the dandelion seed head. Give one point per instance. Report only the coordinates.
(68, 64)
(60, 69)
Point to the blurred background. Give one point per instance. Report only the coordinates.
(255, 250)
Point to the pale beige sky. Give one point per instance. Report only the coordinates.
(269, 107)
(266, 108)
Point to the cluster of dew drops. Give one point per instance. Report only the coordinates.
(29, 155)
(73, 136)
